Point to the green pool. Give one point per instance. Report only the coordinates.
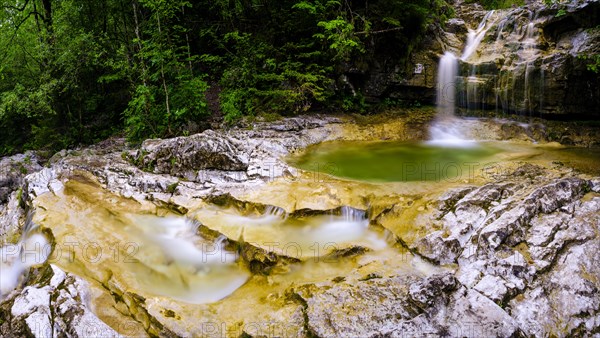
(394, 161)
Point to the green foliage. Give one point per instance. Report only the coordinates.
(257, 82)
(87, 69)
(559, 5)
(593, 62)
(340, 36)
(498, 4)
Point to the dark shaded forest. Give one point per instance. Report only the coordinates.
(77, 71)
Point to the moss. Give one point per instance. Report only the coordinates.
(170, 314)
(172, 188)
(20, 198)
(22, 169)
(269, 117)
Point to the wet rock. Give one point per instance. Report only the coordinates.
(352, 251)
(264, 262)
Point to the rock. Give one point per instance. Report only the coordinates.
(11, 217)
(496, 252)
(493, 287)
(12, 171)
(208, 150)
(14, 193)
(58, 304)
(474, 315)
(566, 297)
(527, 248)
(386, 307)
(365, 309)
(425, 292)
(456, 25)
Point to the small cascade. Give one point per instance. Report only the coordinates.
(15, 260)
(527, 55)
(179, 263)
(350, 214)
(518, 81)
(473, 97)
(475, 36)
(274, 211)
(446, 85)
(345, 226)
(542, 85)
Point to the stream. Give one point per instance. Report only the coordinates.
(365, 227)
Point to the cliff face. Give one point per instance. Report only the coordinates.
(529, 60)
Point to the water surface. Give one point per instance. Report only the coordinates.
(393, 161)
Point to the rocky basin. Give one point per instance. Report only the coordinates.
(511, 251)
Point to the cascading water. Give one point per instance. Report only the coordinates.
(448, 130)
(506, 70)
(473, 81)
(180, 264)
(475, 37)
(445, 130)
(31, 250)
(272, 211)
(336, 228)
(446, 85)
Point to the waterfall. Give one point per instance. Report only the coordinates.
(446, 129)
(446, 85)
(272, 211)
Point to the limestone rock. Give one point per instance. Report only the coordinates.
(57, 304)
(207, 150)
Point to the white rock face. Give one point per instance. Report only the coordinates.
(58, 307)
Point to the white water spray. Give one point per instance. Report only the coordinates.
(15, 259)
